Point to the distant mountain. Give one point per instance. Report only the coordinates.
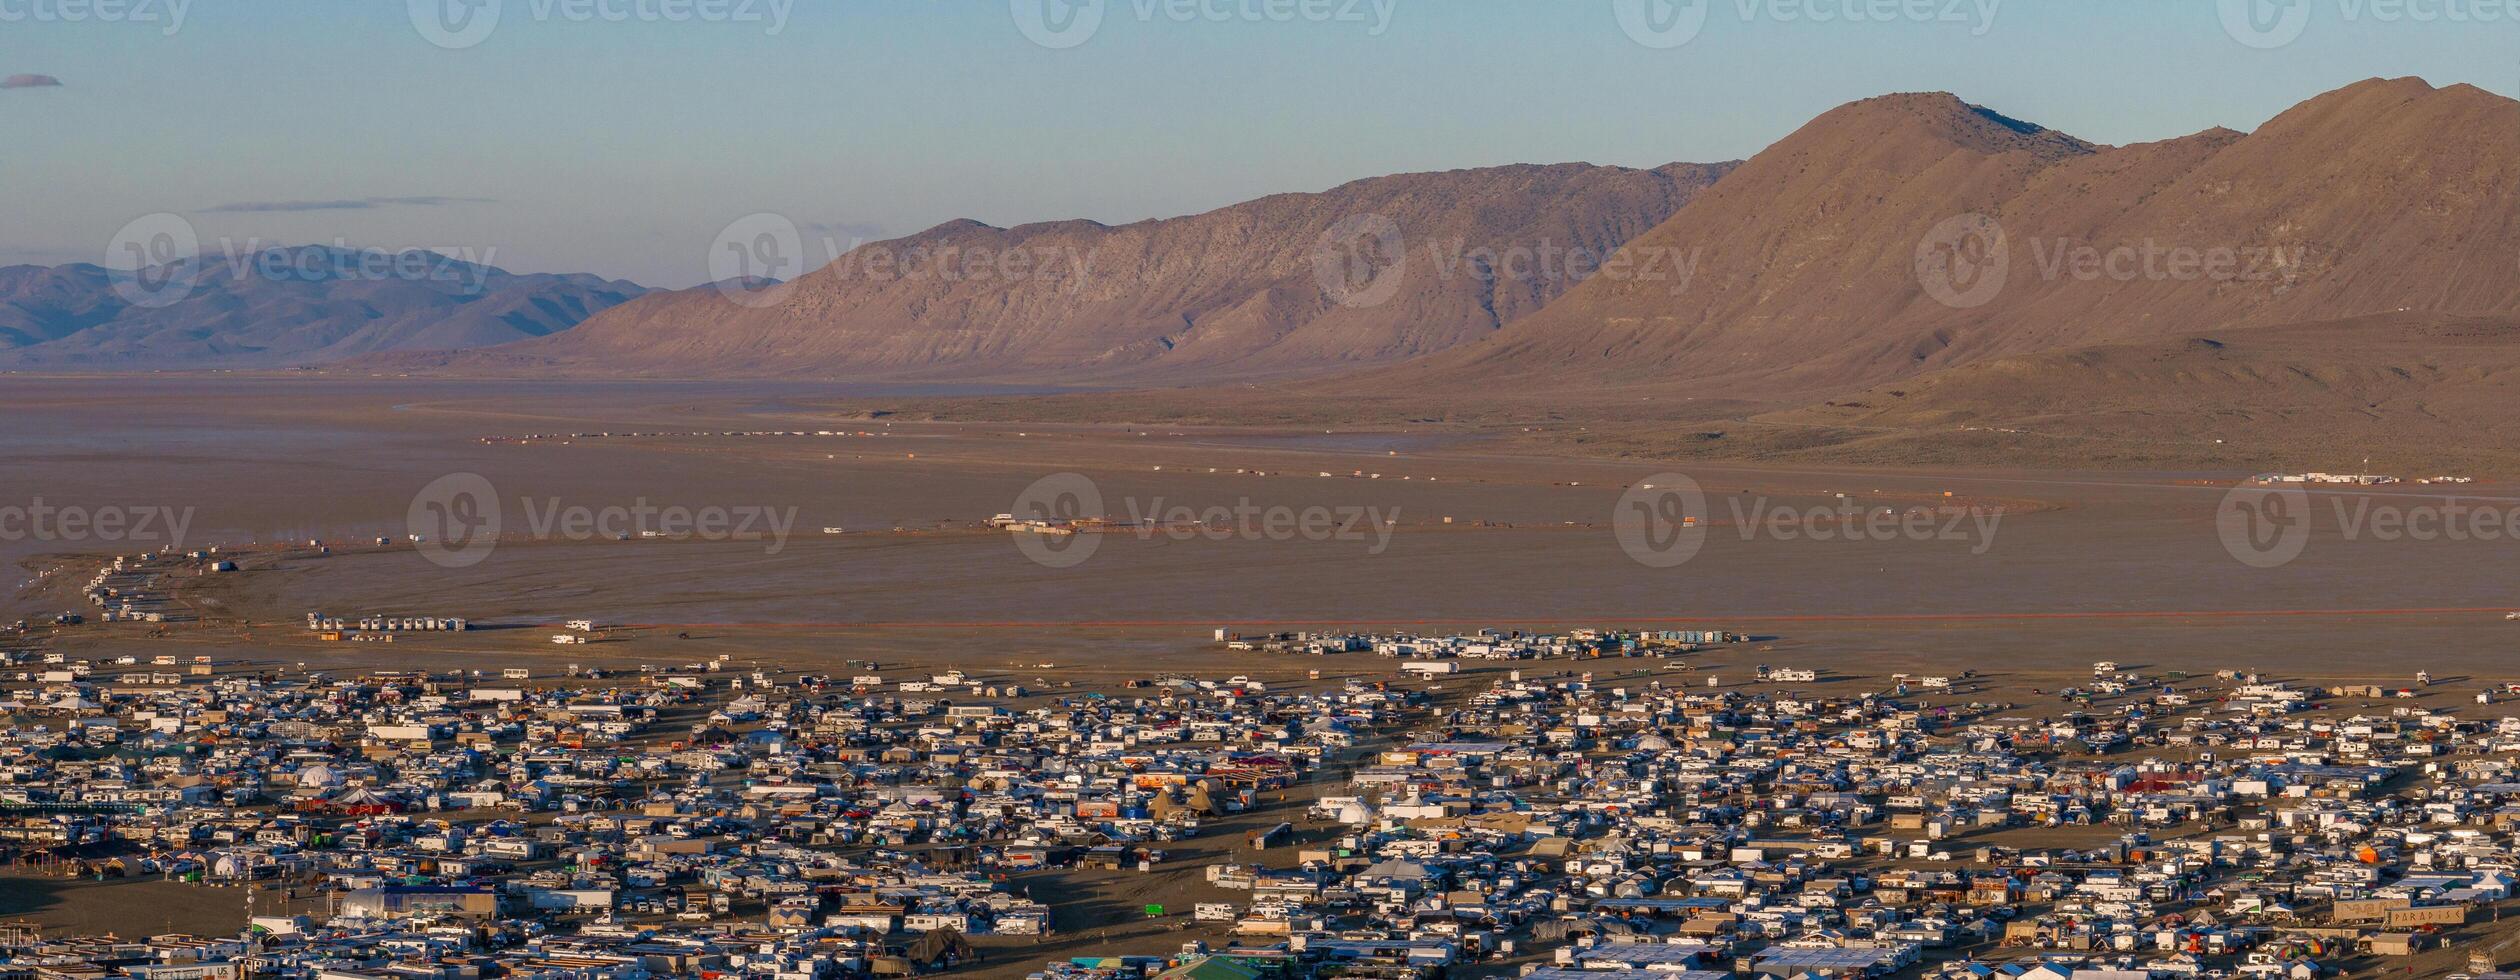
(1864, 247)
(1371, 272)
(1887, 238)
(282, 307)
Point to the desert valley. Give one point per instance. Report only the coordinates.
(1934, 545)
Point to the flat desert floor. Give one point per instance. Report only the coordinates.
(1415, 528)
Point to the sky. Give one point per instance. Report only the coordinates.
(626, 137)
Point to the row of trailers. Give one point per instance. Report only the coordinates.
(387, 624)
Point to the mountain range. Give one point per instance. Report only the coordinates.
(1826, 260)
(1372, 272)
(1898, 263)
(1888, 238)
(281, 307)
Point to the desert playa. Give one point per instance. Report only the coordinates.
(886, 527)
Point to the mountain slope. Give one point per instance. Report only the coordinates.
(1822, 256)
(1287, 284)
(284, 307)
(2396, 387)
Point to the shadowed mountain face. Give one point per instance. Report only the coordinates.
(1912, 233)
(1372, 272)
(281, 307)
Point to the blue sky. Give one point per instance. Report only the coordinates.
(569, 140)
